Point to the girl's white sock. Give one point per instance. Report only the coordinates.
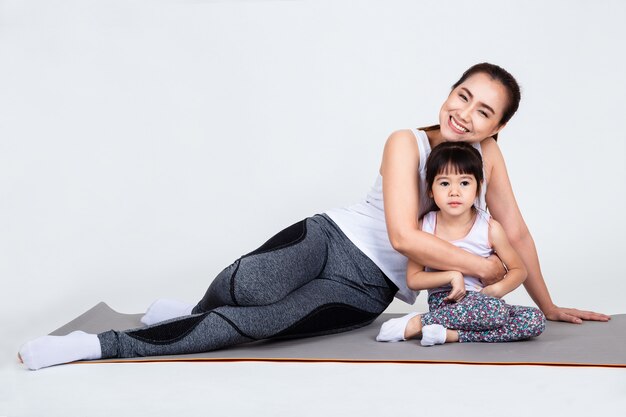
(433, 334)
(165, 309)
(393, 330)
(53, 350)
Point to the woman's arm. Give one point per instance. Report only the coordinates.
(504, 208)
(516, 274)
(400, 171)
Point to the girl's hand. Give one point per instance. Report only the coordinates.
(457, 293)
(573, 315)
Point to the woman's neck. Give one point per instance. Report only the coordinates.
(434, 137)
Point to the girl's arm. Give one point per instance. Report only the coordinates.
(516, 274)
(504, 209)
(400, 171)
(418, 279)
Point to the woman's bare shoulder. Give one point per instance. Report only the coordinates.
(402, 135)
(400, 145)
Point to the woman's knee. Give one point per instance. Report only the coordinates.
(219, 292)
(284, 263)
(239, 284)
(249, 286)
(287, 261)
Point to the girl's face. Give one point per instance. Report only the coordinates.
(473, 110)
(454, 194)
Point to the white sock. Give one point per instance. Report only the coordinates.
(393, 330)
(165, 309)
(433, 334)
(53, 350)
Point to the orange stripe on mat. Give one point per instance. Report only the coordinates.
(429, 362)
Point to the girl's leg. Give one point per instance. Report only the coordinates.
(436, 334)
(443, 322)
(400, 328)
(522, 323)
(474, 312)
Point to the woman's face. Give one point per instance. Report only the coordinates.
(473, 110)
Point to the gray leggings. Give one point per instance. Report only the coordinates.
(307, 280)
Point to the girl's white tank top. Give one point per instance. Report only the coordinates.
(476, 241)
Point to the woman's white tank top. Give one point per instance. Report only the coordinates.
(364, 224)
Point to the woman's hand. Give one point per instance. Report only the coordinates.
(494, 270)
(573, 315)
(458, 288)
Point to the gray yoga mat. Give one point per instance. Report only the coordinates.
(562, 344)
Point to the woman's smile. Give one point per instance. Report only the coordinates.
(456, 126)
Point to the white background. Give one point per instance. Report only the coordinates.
(144, 145)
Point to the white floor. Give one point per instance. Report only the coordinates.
(289, 389)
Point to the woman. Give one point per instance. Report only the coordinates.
(339, 270)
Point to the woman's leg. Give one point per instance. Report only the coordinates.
(288, 260)
(348, 292)
(322, 306)
(522, 323)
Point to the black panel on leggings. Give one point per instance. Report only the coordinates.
(168, 332)
(329, 318)
(286, 237)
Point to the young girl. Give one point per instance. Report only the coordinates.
(461, 308)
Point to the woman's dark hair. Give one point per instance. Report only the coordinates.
(505, 78)
(453, 157)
